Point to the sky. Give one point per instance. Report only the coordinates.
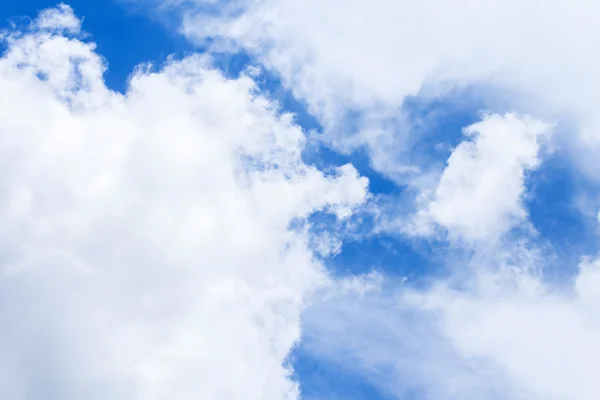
(299, 200)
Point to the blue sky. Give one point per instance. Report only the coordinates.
(448, 212)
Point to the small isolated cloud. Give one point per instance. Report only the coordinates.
(479, 194)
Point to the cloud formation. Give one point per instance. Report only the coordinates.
(497, 327)
(347, 58)
(146, 243)
(479, 194)
(151, 242)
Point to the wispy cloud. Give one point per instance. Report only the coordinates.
(347, 58)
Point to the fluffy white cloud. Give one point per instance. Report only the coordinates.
(145, 243)
(60, 18)
(478, 196)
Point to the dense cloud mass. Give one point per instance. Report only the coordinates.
(145, 242)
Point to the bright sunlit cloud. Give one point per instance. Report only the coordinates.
(145, 244)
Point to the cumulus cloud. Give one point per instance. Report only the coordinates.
(479, 194)
(145, 239)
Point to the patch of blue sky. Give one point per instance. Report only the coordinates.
(557, 219)
(437, 122)
(325, 158)
(412, 259)
(364, 250)
(322, 379)
(233, 64)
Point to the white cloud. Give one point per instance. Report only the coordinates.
(479, 194)
(352, 57)
(59, 18)
(502, 334)
(144, 239)
(543, 340)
